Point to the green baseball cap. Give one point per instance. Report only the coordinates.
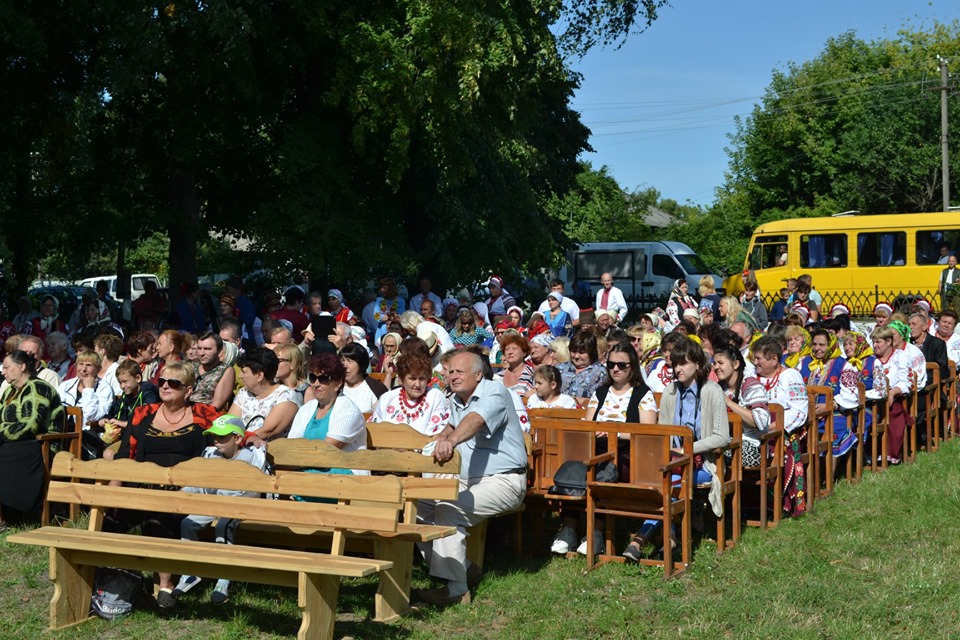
(226, 425)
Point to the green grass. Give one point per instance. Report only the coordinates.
(880, 559)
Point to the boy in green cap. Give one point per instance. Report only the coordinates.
(228, 432)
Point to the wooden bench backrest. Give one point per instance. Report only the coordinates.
(558, 440)
(299, 453)
(651, 450)
(559, 414)
(381, 497)
(390, 435)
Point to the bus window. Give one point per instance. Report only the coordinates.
(933, 247)
(664, 265)
(590, 265)
(884, 249)
(823, 250)
(769, 251)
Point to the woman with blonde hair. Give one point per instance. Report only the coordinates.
(731, 311)
(292, 370)
(798, 346)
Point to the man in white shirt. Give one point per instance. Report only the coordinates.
(426, 286)
(610, 297)
(566, 304)
(945, 328)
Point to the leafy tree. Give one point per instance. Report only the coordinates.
(346, 138)
(858, 124)
(597, 209)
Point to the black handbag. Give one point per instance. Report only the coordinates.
(571, 478)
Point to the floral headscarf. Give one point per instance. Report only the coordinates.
(861, 350)
(833, 351)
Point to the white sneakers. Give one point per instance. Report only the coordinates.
(565, 541)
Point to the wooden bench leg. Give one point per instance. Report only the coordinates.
(72, 588)
(476, 543)
(393, 592)
(317, 599)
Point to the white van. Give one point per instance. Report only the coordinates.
(137, 284)
(644, 271)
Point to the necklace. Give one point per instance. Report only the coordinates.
(773, 381)
(183, 412)
(412, 410)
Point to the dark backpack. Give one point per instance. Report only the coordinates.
(571, 478)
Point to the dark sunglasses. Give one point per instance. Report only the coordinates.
(618, 365)
(173, 383)
(322, 378)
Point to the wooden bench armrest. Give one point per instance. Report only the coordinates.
(682, 461)
(603, 457)
(48, 437)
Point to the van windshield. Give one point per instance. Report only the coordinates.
(691, 263)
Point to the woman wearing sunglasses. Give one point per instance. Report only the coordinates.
(625, 398)
(330, 416)
(166, 434)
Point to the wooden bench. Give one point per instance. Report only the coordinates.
(730, 473)
(393, 593)
(819, 445)
(359, 503)
(388, 435)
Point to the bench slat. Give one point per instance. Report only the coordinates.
(158, 553)
(215, 474)
(282, 511)
(299, 452)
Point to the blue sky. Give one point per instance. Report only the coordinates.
(660, 107)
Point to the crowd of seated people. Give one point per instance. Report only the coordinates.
(154, 387)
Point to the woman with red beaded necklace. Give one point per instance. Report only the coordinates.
(784, 386)
(415, 402)
(166, 434)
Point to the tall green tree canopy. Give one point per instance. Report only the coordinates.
(343, 137)
(859, 124)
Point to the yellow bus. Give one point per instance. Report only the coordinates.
(858, 260)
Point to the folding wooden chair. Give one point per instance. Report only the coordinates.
(770, 472)
(819, 445)
(949, 412)
(879, 435)
(911, 406)
(931, 417)
(730, 471)
(648, 493)
(71, 435)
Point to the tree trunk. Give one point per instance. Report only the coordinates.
(183, 229)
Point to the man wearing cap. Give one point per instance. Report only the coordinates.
(566, 303)
(338, 309)
(485, 429)
(500, 299)
(245, 309)
(227, 432)
(426, 293)
(610, 297)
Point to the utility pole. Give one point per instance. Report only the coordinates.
(944, 147)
